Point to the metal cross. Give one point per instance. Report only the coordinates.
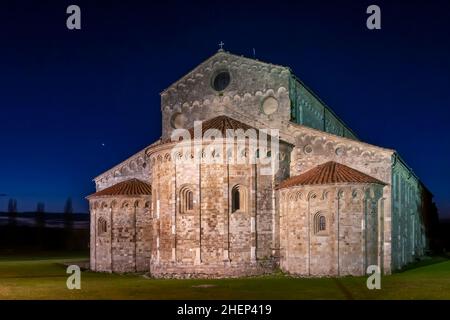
(221, 44)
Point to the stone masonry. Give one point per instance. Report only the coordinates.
(332, 206)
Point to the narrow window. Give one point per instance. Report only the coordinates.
(189, 200)
(238, 199)
(101, 226)
(235, 199)
(186, 200)
(322, 223)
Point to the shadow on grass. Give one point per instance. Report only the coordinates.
(42, 254)
(423, 262)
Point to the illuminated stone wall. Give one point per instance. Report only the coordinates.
(351, 240)
(124, 245)
(211, 241)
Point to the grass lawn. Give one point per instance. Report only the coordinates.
(45, 278)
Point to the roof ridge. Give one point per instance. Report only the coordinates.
(129, 187)
(329, 172)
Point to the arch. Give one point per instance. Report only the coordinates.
(299, 195)
(320, 223)
(102, 226)
(167, 157)
(132, 166)
(312, 195)
(291, 196)
(238, 199)
(113, 204)
(357, 194)
(186, 199)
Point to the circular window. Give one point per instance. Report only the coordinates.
(221, 81)
(269, 105)
(177, 120)
(308, 149)
(339, 151)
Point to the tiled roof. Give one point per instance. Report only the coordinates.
(329, 173)
(132, 187)
(222, 123)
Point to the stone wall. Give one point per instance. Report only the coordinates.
(408, 233)
(211, 238)
(352, 237)
(124, 244)
(313, 147)
(251, 83)
(136, 166)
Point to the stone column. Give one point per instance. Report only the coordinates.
(381, 234)
(253, 201)
(174, 214)
(111, 253)
(135, 237)
(226, 211)
(364, 235)
(337, 209)
(93, 240)
(198, 250)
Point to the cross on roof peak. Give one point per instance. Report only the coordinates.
(221, 44)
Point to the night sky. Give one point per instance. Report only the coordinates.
(75, 103)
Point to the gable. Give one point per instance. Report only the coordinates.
(202, 94)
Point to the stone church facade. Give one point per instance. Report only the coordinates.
(332, 205)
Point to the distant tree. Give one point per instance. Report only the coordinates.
(40, 207)
(68, 213)
(12, 206)
(40, 214)
(68, 207)
(12, 211)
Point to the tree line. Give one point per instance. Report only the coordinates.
(40, 213)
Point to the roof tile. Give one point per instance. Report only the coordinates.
(132, 187)
(329, 173)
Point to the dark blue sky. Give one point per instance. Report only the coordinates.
(65, 93)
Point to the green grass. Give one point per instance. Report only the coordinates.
(45, 278)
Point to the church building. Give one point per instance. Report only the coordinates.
(287, 185)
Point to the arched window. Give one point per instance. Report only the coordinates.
(189, 200)
(186, 200)
(320, 223)
(238, 199)
(101, 226)
(235, 199)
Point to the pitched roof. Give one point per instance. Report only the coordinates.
(132, 187)
(329, 173)
(228, 55)
(222, 123)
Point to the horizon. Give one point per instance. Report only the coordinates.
(80, 102)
